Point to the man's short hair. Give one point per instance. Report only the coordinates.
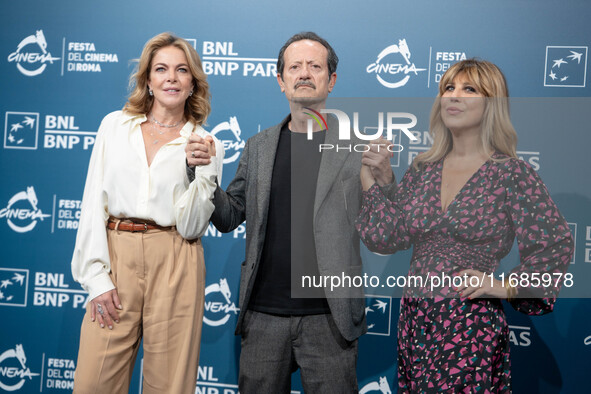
(332, 59)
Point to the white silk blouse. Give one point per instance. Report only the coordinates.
(121, 184)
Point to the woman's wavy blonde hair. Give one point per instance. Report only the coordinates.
(197, 106)
(497, 132)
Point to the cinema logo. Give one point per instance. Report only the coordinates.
(22, 212)
(229, 135)
(14, 372)
(389, 70)
(409, 121)
(218, 305)
(381, 386)
(31, 55)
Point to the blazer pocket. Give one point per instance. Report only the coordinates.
(357, 297)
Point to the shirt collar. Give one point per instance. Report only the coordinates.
(135, 120)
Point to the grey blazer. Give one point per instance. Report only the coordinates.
(336, 206)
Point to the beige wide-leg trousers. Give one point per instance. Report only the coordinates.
(160, 278)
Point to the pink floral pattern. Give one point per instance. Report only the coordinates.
(452, 344)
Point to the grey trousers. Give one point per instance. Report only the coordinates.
(273, 347)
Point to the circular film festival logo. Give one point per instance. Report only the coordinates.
(389, 71)
(13, 373)
(231, 140)
(218, 309)
(381, 386)
(27, 54)
(22, 212)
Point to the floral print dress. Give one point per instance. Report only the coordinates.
(452, 344)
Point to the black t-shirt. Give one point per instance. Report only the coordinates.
(290, 236)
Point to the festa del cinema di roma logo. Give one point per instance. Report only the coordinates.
(20, 218)
(14, 374)
(31, 55)
(229, 135)
(392, 73)
(381, 386)
(214, 308)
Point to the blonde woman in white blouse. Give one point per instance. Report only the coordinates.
(138, 252)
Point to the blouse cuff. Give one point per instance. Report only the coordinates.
(98, 285)
(373, 194)
(207, 170)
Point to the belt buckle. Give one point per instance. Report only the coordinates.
(139, 231)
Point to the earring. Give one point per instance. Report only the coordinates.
(150, 92)
(191, 93)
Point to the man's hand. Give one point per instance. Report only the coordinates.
(199, 150)
(377, 158)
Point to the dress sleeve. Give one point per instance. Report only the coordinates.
(544, 239)
(381, 223)
(90, 263)
(194, 206)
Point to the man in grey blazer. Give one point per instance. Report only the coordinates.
(300, 205)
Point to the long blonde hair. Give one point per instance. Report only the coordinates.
(197, 106)
(497, 131)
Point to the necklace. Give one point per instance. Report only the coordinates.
(153, 121)
(168, 126)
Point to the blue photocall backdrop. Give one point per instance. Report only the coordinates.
(66, 64)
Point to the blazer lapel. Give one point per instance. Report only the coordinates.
(330, 164)
(266, 161)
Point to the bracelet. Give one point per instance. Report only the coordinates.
(511, 290)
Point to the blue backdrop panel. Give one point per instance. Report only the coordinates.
(66, 64)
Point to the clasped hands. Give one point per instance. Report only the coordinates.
(375, 164)
(199, 150)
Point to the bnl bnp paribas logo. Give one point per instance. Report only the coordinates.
(378, 312)
(14, 372)
(14, 286)
(566, 66)
(21, 130)
(22, 212)
(218, 305)
(31, 55)
(393, 67)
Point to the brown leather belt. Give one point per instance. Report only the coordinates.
(134, 225)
